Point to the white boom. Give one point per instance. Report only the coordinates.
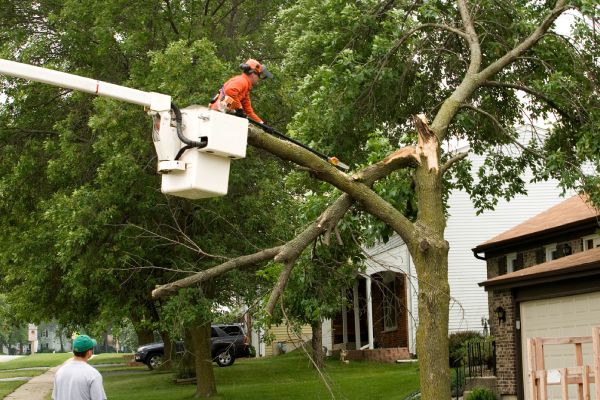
(154, 101)
(194, 152)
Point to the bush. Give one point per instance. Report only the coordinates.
(457, 346)
(481, 394)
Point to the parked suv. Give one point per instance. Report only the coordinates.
(227, 343)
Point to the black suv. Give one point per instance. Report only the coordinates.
(227, 343)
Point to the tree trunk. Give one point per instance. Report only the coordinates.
(429, 251)
(169, 353)
(205, 376)
(186, 366)
(144, 335)
(317, 345)
(432, 333)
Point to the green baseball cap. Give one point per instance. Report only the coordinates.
(83, 343)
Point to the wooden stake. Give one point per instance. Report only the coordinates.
(596, 356)
(564, 384)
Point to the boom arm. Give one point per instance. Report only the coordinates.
(154, 101)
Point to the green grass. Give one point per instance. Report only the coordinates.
(8, 387)
(36, 360)
(30, 372)
(110, 358)
(285, 377)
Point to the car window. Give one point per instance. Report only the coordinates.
(213, 332)
(232, 330)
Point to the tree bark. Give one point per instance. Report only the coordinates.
(205, 377)
(169, 351)
(144, 335)
(429, 252)
(186, 366)
(317, 345)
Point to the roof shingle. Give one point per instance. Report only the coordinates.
(572, 210)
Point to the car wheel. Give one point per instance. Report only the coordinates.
(154, 360)
(225, 358)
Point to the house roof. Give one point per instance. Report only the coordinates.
(569, 212)
(582, 263)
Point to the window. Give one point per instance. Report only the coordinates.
(591, 242)
(550, 252)
(232, 330)
(390, 309)
(514, 262)
(540, 256)
(558, 250)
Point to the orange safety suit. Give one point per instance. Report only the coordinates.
(238, 88)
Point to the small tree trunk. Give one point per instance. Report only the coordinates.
(317, 345)
(205, 376)
(186, 367)
(169, 352)
(144, 335)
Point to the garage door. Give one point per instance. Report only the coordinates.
(559, 317)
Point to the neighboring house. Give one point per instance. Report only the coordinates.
(390, 269)
(543, 280)
(279, 339)
(51, 339)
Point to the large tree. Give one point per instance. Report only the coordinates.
(369, 76)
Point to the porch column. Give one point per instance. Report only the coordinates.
(369, 313)
(356, 315)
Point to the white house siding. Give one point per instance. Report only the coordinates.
(465, 230)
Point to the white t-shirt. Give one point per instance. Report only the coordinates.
(77, 380)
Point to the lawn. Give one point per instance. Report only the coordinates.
(9, 387)
(283, 377)
(36, 360)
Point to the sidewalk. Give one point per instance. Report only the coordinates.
(38, 388)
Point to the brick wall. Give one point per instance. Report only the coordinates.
(504, 334)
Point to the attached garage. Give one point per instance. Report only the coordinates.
(558, 298)
(543, 281)
(559, 317)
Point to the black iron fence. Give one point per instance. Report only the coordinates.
(481, 358)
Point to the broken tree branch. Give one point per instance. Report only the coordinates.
(289, 252)
(240, 262)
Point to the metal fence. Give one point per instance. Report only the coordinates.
(481, 358)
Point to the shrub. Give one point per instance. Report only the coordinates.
(481, 394)
(457, 343)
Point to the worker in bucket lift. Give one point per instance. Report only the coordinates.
(234, 95)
